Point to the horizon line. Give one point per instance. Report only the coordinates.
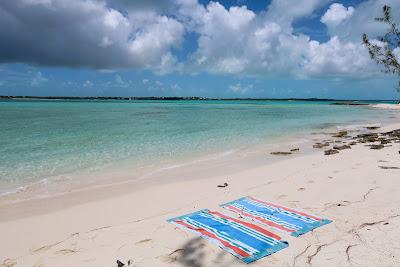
(169, 98)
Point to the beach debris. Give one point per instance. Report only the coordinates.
(343, 133)
(120, 264)
(331, 151)
(368, 138)
(394, 133)
(223, 185)
(372, 127)
(376, 146)
(366, 224)
(294, 149)
(383, 138)
(389, 168)
(281, 153)
(342, 147)
(320, 145)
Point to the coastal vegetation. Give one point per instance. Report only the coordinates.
(386, 50)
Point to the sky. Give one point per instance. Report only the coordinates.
(221, 49)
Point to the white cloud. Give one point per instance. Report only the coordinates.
(114, 18)
(240, 89)
(92, 34)
(336, 14)
(144, 35)
(238, 41)
(176, 87)
(152, 44)
(87, 84)
(284, 12)
(362, 21)
(336, 58)
(118, 82)
(38, 79)
(118, 79)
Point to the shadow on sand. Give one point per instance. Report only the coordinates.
(195, 253)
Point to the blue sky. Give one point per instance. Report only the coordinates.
(233, 48)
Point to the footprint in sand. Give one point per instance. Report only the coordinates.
(41, 249)
(173, 256)
(301, 189)
(310, 182)
(143, 241)
(282, 196)
(38, 264)
(8, 263)
(66, 251)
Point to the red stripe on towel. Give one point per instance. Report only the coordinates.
(287, 209)
(270, 223)
(250, 225)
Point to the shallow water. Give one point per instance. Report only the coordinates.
(40, 139)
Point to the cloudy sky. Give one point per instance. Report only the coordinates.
(230, 48)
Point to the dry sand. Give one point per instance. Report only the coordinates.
(127, 221)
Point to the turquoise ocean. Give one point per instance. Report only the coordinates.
(40, 139)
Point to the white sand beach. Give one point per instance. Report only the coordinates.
(356, 189)
(387, 106)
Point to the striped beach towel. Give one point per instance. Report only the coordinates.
(282, 218)
(244, 240)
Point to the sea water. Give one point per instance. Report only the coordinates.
(40, 139)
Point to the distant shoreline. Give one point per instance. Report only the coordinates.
(172, 98)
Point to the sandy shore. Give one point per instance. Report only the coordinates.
(356, 188)
(387, 106)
